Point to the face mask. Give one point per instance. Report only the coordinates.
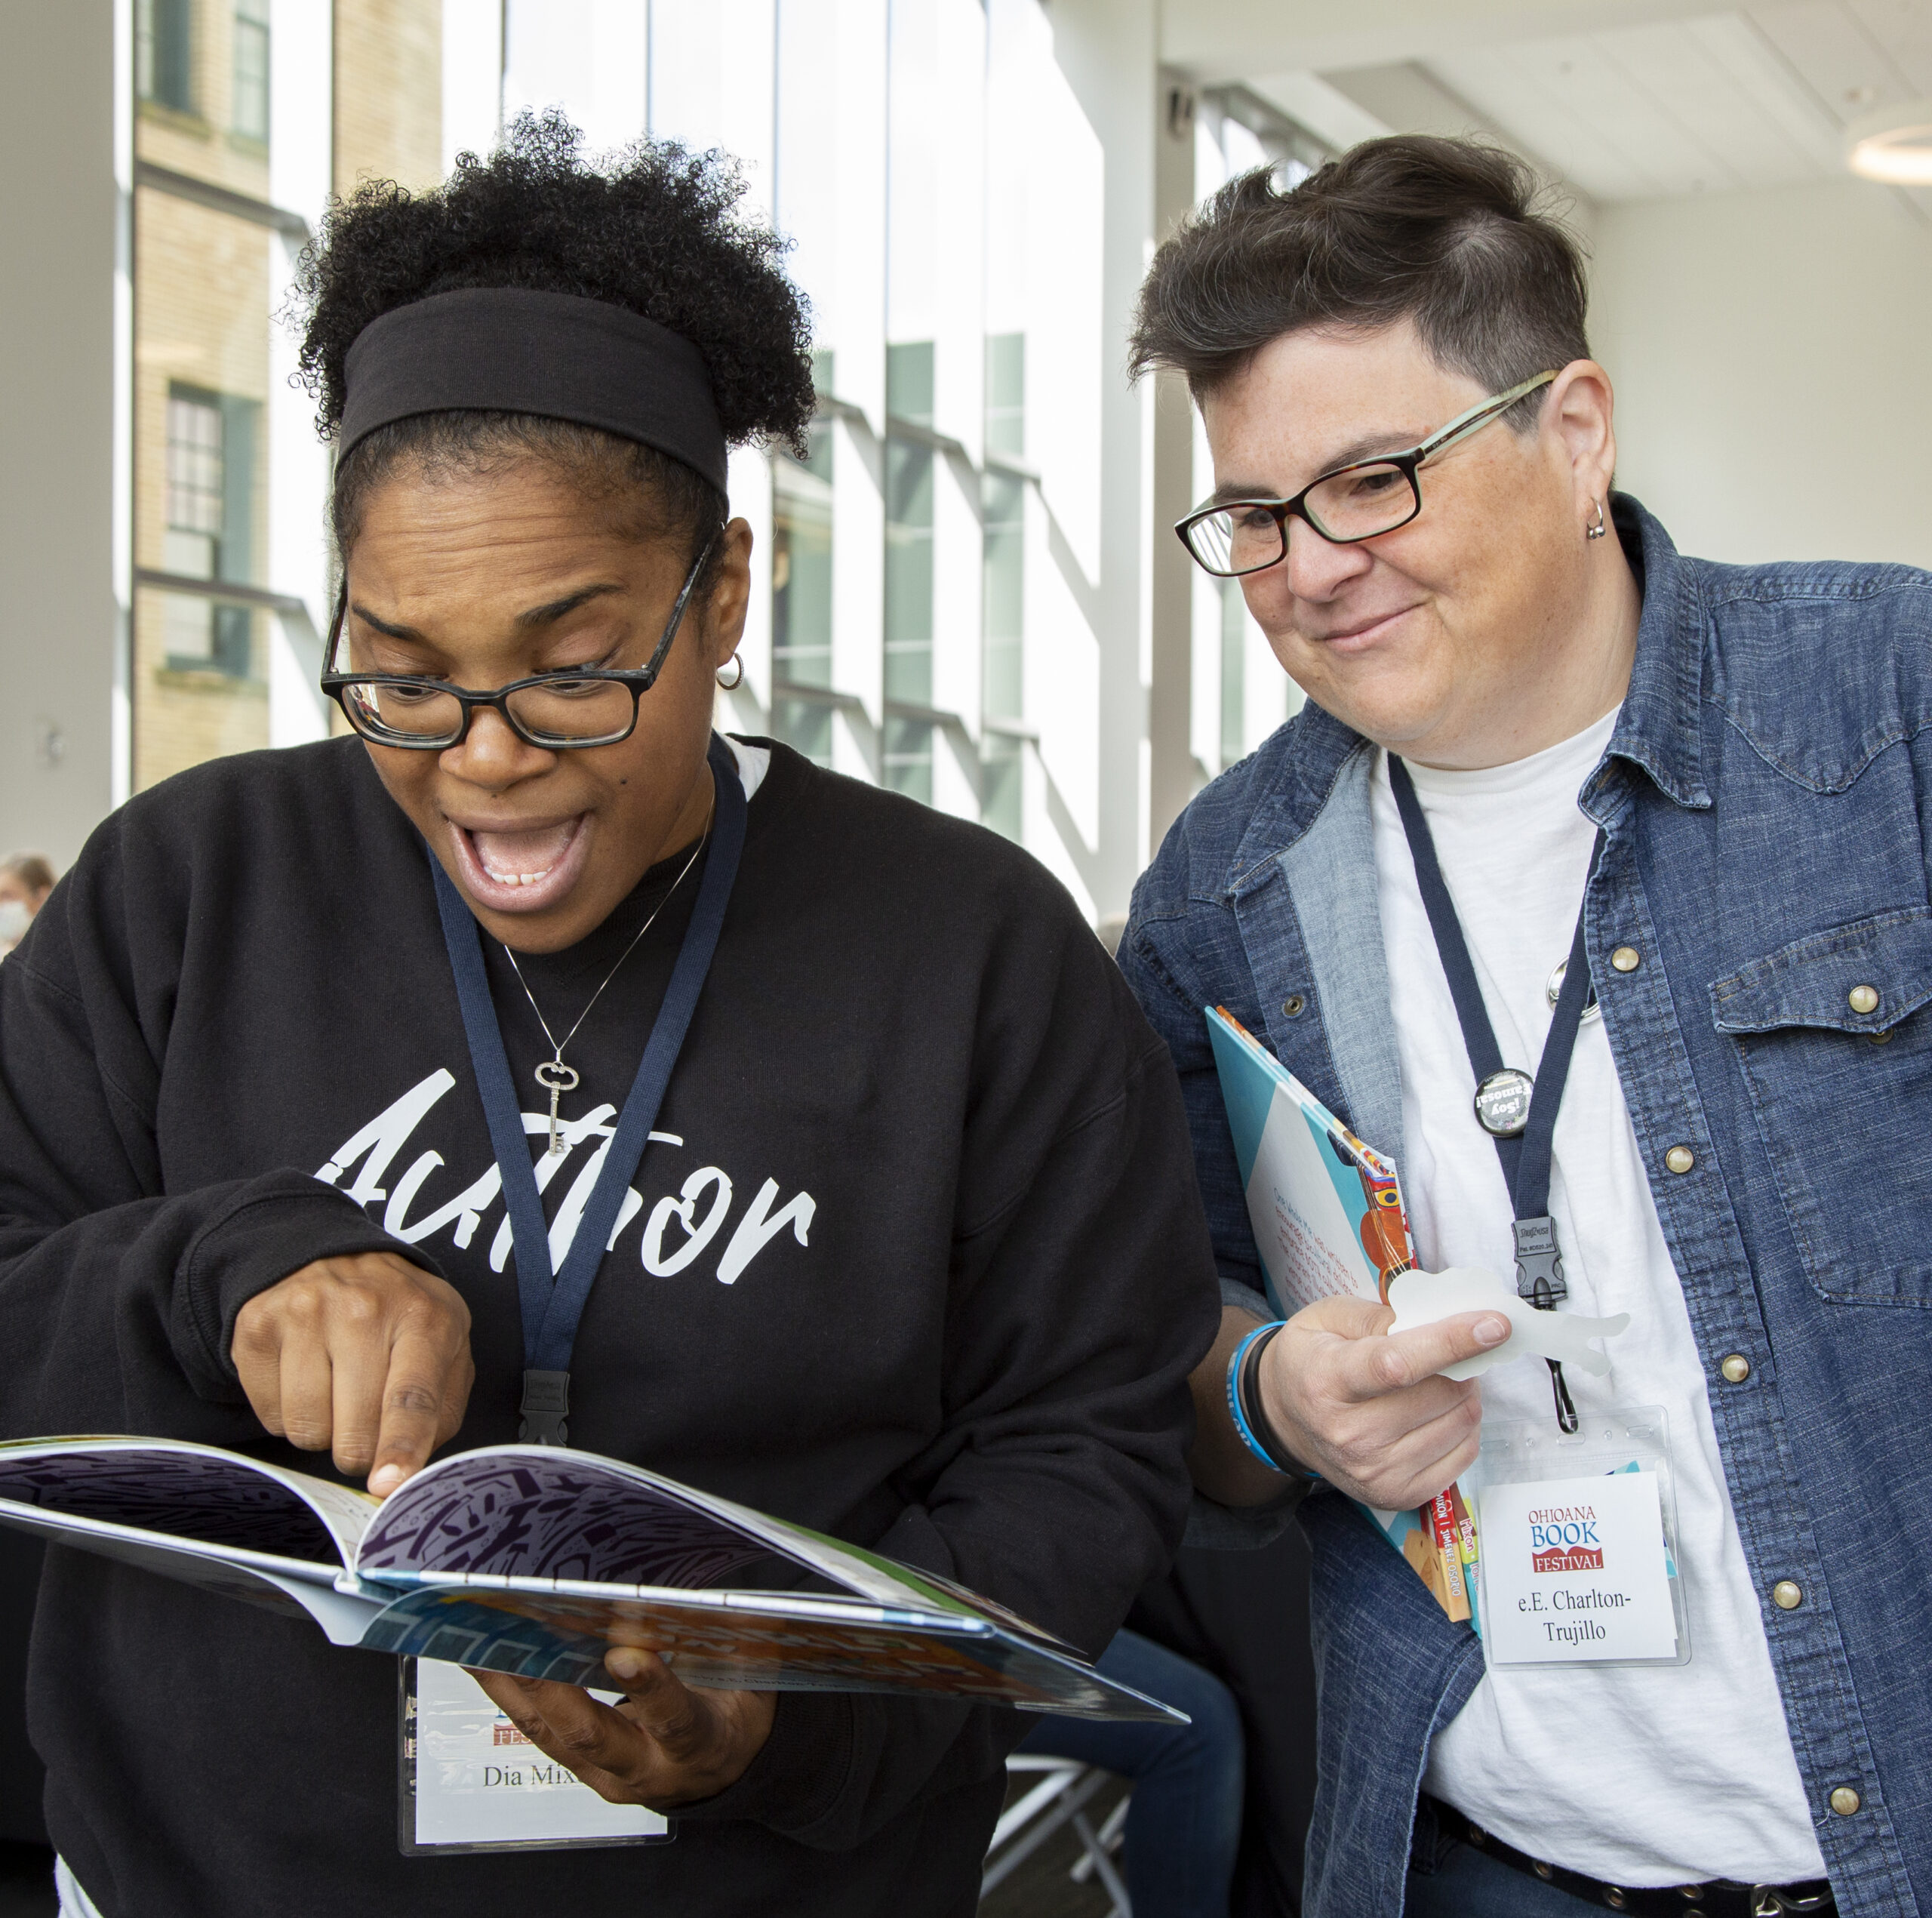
(14, 920)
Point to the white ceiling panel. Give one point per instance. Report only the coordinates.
(1650, 110)
(1903, 29)
(1826, 47)
(1565, 100)
(1755, 65)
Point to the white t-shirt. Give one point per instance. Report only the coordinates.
(1642, 1776)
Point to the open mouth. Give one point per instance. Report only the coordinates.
(521, 870)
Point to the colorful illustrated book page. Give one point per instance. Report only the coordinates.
(1327, 1211)
(1326, 1207)
(535, 1559)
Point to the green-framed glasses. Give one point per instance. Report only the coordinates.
(1355, 502)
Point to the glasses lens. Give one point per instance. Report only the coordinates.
(1362, 502)
(574, 712)
(398, 710)
(1237, 539)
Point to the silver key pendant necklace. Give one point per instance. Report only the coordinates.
(556, 1078)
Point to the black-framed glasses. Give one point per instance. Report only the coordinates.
(559, 711)
(1352, 503)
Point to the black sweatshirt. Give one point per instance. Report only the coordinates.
(921, 1263)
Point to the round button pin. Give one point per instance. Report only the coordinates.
(1553, 988)
(1735, 1367)
(1787, 1595)
(1845, 1801)
(1863, 999)
(1626, 958)
(1502, 1102)
(1680, 1159)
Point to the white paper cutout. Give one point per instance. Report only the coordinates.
(1422, 1298)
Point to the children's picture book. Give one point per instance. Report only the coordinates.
(1328, 1220)
(535, 1559)
(1326, 1207)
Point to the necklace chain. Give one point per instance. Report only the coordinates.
(556, 1045)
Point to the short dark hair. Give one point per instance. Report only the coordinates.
(658, 233)
(1456, 236)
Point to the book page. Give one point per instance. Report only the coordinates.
(1307, 1241)
(546, 1511)
(189, 1491)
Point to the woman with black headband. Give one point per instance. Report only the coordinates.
(315, 1063)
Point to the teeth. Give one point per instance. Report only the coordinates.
(518, 878)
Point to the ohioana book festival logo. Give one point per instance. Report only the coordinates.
(1564, 1538)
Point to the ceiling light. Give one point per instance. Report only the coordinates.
(1893, 144)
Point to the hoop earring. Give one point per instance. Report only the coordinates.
(735, 667)
(1597, 531)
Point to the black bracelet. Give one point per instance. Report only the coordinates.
(1249, 1394)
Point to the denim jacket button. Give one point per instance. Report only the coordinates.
(1787, 1595)
(1863, 999)
(1845, 1801)
(1291, 1006)
(1680, 1159)
(1626, 958)
(1735, 1367)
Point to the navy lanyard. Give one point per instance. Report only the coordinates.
(1519, 1113)
(553, 1302)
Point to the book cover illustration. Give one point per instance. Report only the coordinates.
(1326, 1207)
(535, 1559)
(1327, 1211)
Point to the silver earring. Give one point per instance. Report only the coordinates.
(1597, 531)
(735, 667)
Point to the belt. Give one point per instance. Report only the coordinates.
(1715, 1897)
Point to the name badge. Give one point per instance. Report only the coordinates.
(471, 1781)
(1575, 1543)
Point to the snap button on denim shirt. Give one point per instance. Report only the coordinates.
(1766, 799)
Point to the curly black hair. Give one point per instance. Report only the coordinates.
(658, 233)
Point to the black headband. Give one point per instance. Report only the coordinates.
(504, 350)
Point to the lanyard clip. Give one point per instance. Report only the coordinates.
(546, 1399)
(1539, 1264)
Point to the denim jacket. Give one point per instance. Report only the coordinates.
(1766, 799)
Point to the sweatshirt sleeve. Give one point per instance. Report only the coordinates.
(1083, 1293)
(118, 1296)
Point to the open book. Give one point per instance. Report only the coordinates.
(534, 1559)
(1328, 1219)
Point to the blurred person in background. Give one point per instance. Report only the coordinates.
(26, 879)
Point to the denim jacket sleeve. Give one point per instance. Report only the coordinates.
(1159, 955)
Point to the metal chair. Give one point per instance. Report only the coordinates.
(1060, 1797)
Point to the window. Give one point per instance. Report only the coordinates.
(1233, 676)
(925, 612)
(909, 523)
(165, 52)
(209, 511)
(1003, 603)
(910, 461)
(801, 565)
(250, 113)
(232, 580)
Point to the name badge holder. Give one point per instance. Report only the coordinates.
(1577, 1560)
(468, 1780)
(458, 1754)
